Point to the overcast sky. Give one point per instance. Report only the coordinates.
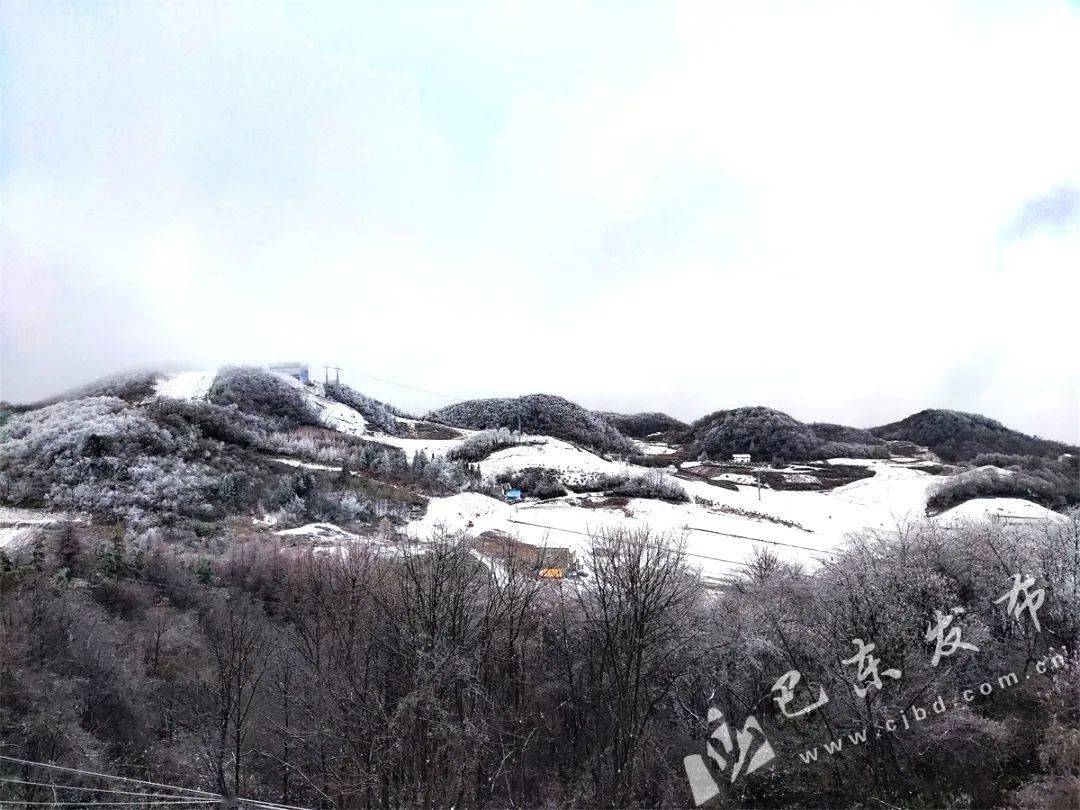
(849, 212)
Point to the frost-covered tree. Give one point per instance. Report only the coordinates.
(480, 445)
(258, 391)
(378, 414)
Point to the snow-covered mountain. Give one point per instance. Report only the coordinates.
(237, 438)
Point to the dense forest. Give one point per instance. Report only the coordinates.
(351, 678)
(958, 436)
(771, 435)
(640, 425)
(829, 432)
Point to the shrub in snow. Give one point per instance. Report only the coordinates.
(377, 414)
(257, 391)
(481, 445)
(225, 424)
(651, 485)
(1061, 475)
(345, 507)
(443, 475)
(648, 485)
(542, 414)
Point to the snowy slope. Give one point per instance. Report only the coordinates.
(186, 385)
(712, 526)
(1009, 510)
(331, 413)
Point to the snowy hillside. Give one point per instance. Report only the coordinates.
(333, 415)
(726, 518)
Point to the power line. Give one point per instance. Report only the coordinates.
(587, 534)
(200, 793)
(270, 805)
(151, 802)
(93, 789)
(407, 387)
(200, 797)
(758, 540)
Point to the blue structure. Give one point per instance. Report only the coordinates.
(297, 370)
(513, 496)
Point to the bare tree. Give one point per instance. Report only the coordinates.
(239, 640)
(624, 646)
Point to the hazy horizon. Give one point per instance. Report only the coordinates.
(846, 213)
(400, 395)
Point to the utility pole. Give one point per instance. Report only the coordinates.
(337, 374)
(757, 469)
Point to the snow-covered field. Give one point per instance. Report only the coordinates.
(718, 538)
(1007, 510)
(653, 448)
(712, 525)
(551, 454)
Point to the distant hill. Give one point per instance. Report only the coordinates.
(543, 414)
(640, 425)
(828, 432)
(763, 432)
(957, 436)
(771, 435)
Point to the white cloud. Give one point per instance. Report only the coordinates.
(683, 209)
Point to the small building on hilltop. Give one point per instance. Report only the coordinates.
(297, 370)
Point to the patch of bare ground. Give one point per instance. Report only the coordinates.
(500, 546)
(811, 477)
(832, 476)
(707, 473)
(609, 502)
(933, 469)
(431, 430)
(664, 460)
